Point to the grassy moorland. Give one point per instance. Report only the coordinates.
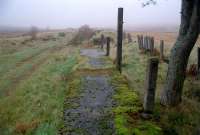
(35, 80)
(33, 85)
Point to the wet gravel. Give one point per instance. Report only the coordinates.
(92, 117)
(93, 114)
(95, 57)
(92, 53)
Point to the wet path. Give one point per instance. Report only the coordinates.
(92, 116)
(95, 57)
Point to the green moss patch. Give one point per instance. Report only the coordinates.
(127, 118)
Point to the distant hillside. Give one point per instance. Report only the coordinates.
(167, 28)
(161, 28)
(8, 29)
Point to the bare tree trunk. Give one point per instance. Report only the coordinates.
(188, 34)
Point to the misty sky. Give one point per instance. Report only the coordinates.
(96, 13)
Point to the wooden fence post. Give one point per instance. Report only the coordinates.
(102, 41)
(150, 85)
(140, 38)
(119, 39)
(145, 43)
(152, 45)
(149, 44)
(162, 49)
(108, 46)
(129, 38)
(142, 41)
(139, 43)
(146, 46)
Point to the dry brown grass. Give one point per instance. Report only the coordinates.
(23, 127)
(169, 40)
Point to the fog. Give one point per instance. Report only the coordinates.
(96, 13)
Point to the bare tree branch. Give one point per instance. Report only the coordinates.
(148, 2)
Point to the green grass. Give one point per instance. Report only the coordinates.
(9, 61)
(24, 52)
(35, 77)
(17, 65)
(36, 106)
(18, 73)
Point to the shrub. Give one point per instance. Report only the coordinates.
(84, 34)
(61, 34)
(96, 41)
(33, 32)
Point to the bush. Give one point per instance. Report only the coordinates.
(33, 32)
(61, 34)
(96, 41)
(84, 34)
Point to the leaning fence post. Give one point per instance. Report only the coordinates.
(162, 49)
(150, 85)
(119, 39)
(152, 45)
(108, 46)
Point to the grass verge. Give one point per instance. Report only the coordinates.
(127, 118)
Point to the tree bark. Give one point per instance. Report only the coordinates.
(188, 34)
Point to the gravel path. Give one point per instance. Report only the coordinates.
(92, 116)
(95, 57)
